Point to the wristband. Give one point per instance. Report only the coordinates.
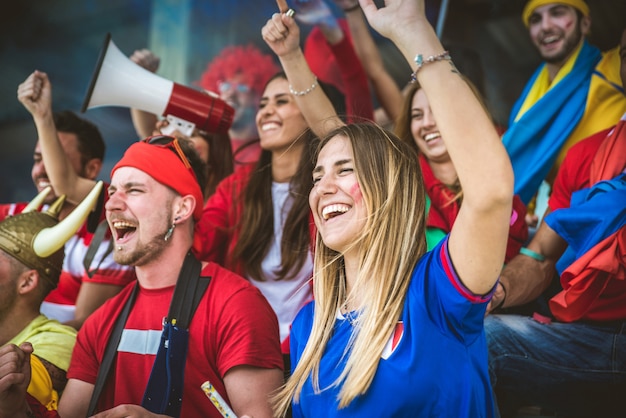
(531, 254)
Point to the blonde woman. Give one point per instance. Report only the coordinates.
(395, 330)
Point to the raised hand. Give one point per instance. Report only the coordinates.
(395, 18)
(35, 93)
(314, 12)
(146, 59)
(282, 34)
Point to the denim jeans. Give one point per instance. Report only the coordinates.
(574, 369)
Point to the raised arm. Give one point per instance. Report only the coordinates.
(282, 35)
(478, 239)
(144, 122)
(353, 77)
(35, 93)
(385, 88)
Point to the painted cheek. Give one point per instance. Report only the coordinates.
(355, 193)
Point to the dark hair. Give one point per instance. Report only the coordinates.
(198, 165)
(336, 97)
(220, 164)
(90, 142)
(256, 226)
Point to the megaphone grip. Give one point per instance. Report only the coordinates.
(208, 113)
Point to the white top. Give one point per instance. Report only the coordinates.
(285, 296)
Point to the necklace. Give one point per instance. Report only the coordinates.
(352, 317)
(348, 314)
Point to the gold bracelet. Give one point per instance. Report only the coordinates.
(303, 92)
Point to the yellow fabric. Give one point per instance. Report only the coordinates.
(41, 385)
(51, 340)
(605, 104)
(542, 83)
(533, 4)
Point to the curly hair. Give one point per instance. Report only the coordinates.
(254, 66)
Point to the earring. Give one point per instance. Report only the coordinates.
(169, 232)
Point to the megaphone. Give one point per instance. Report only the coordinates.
(117, 81)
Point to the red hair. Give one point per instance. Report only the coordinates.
(255, 68)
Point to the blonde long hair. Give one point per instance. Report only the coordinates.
(393, 240)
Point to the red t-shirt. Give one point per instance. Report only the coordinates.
(232, 326)
(575, 170)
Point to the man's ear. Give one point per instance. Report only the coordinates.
(92, 168)
(185, 207)
(585, 25)
(28, 281)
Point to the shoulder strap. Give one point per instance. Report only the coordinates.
(188, 292)
(110, 351)
(187, 295)
(164, 389)
(94, 245)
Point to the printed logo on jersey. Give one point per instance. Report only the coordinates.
(394, 340)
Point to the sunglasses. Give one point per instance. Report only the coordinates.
(225, 86)
(165, 141)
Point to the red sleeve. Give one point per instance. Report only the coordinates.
(574, 172)
(247, 328)
(215, 227)
(355, 82)
(4, 211)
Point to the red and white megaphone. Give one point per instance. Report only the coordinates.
(117, 81)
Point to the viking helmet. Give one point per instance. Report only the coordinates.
(37, 239)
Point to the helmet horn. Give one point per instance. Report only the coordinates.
(50, 240)
(37, 200)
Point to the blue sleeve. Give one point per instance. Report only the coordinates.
(438, 291)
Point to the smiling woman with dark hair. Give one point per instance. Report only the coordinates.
(258, 222)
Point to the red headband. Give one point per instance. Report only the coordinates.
(164, 166)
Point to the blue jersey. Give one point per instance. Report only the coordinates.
(434, 365)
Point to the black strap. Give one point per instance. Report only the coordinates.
(110, 351)
(94, 245)
(184, 303)
(187, 295)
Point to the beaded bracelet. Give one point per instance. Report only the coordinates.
(303, 92)
(421, 61)
(352, 8)
(531, 254)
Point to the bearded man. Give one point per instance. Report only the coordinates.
(574, 93)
